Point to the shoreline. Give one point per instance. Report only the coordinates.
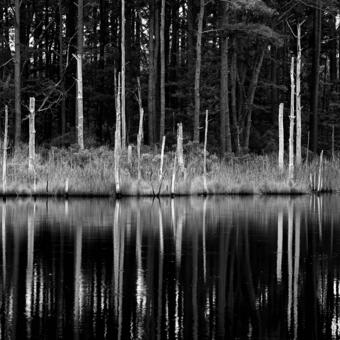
(79, 195)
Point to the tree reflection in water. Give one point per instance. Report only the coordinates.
(171, 269)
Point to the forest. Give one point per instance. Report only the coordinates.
(83, 61)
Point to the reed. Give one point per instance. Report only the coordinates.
(90, 173)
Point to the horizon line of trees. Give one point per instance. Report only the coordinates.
(229, 57)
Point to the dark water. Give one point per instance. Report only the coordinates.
(221, 268)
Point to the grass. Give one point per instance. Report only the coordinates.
(91, 173)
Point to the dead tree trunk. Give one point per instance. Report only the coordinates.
(298, 97)
(162, 161)
(140, 129)
(118, 140)
(31, 146)
(180, 156)
(17, 76)
(205, 154)
(281, 137)
(79, 58)
(292, 121)
(198, 74)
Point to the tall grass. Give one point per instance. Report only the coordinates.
(91, 172)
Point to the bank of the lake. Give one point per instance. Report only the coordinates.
(91, 173)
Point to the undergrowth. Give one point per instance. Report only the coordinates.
(91, 172)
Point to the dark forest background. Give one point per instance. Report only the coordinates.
(244, 74)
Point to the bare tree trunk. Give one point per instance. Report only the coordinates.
(31, 145)
(173, 176)
(4, 155)
(118, 140)
(205, 154)
(198, 74)
(140, 128)
(162, 38)
(162, 161)
(179, 151)
(292, 121)
(281, 137)
(123, 99)
(17, 76)
(298, 97)
(80, 108)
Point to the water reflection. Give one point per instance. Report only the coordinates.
(190, 268)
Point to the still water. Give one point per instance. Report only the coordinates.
(193, 268)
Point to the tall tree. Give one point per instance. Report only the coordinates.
(162, 38)
(123, 95)
(61, 69)
(151, 70)
(80, 53)
(17, 75)
(198, 73)
(315, 75)
(225, 133)
(298, 96)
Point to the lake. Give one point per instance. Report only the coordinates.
(188, 268)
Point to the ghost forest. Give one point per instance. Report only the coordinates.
(89, 68)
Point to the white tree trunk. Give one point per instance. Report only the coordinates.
(31, 145)
(180, 156)
(140, 129)
(205, 153)
(162, 160)
(292, 121)
(298, 97)
(173, 176)
(118, 140)
(79, 58)
(4, 155)
(281, 137)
